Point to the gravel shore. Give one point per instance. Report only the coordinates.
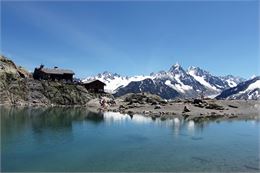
(193, 109)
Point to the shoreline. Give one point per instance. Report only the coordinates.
(229, 109)
(186, 109)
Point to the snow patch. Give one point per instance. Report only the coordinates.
(231, 83)
(202, 81)
(253, 86)
(181, 87)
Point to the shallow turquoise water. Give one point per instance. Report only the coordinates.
(73, 139)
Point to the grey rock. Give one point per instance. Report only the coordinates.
(185, 109)
(157, 107)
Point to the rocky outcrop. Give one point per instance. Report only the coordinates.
(29, 91)
(19, 88)
(8, 70)
(208, 105)
(143, 98)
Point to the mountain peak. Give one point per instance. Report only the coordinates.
(193, 68)
(107, 75)
(177, 65)
(197, 71)
(253, 76)
(176, 68)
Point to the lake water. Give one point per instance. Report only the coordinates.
(74, 139)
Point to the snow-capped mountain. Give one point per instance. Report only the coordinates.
(177, 79)
(152, 86)
(211, 82)
(249, 89)
(176, 82)
(232, 81)
(114, 81)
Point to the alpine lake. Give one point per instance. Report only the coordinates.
(59, 139)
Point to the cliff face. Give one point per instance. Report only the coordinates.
(18, 87)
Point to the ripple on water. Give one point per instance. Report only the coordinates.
(136, 137)
(200, 159)
(197, 138)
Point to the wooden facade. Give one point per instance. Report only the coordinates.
(95, 86)
(42, 73)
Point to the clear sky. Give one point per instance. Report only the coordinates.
(133, 38)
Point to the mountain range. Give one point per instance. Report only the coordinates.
(249, 89)
(172, 84)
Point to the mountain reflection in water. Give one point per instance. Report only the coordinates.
(60, 118)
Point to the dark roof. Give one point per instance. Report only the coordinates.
(93, 80)
(56, 71)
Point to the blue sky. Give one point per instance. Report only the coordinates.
(133, 37)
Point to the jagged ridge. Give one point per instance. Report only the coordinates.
(176, 82)
(249, 89)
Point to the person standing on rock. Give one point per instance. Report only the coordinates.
(103, 103)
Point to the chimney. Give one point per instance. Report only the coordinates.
(41, 66)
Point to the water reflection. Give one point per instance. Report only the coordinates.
(59, 118)
(176, 126)
(191, 126)
(75, 139)
(114, 117)
(55, 118)
(15, 121)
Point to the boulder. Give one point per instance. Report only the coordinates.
(157, 107)
(214, 106)
(122, 107)
(232, 106)
(197, 101)
(131, 113)
(185, 109)
(185, 116)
